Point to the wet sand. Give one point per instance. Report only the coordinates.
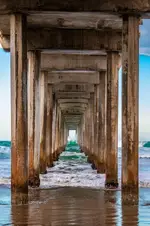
(77, 206)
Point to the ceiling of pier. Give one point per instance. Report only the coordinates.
(73, 37)
(111, 6)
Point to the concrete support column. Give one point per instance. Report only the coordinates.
(89, 129)
(59, 127)
(43, 114)
(112, 120)
(79, 134)
(62, 131)
(56, 132)
(19, 143)
(49, 125)
(86, 130)
(83, 129)
(65, 134)
(96, 122)
(54, 125)
(91, 105)
(102, 122)
(130, 103)
(34, 118)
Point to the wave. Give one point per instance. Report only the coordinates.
(5, 182)
(147, 144)
(4, 152)
(5, 143)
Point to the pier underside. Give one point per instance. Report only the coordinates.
(65, 58)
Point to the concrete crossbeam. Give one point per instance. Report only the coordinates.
(67, 39)
(72, 95)
(72, 101)
(73, 88)
(73, 62)
(90, 77)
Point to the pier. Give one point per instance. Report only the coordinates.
(65, 58)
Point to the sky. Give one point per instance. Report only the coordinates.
(144, 88)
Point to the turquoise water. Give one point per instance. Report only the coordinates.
(147, 145)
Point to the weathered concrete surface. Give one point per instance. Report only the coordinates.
(102, 123)
(72, 95)
(62, 132)
(91, 106)
(74, 119)
(73, 20)
(96, 123)
(72, 101)
(59, 61)
(130, 103)
(112, 120)
(43, 114)
(56, 131)
(69, 87)
(67, 39)
(58, 148)
(54, 126)
(91, 77)
(72, 105)
(65, 134)
(49, 119)
(19, 133)
(99, 6)
(86, 128)
(33, 118)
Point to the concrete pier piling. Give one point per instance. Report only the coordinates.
(43, 115)
(102, 123)
(112, 120)
(19, 129)
(130, 103)
(34, 117)
(49, 125)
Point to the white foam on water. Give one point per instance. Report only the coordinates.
(72, 173)
(76, 172)
(4, 150)
(5, 181)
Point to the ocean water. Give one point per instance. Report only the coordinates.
(72, 194)
(76, 171)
